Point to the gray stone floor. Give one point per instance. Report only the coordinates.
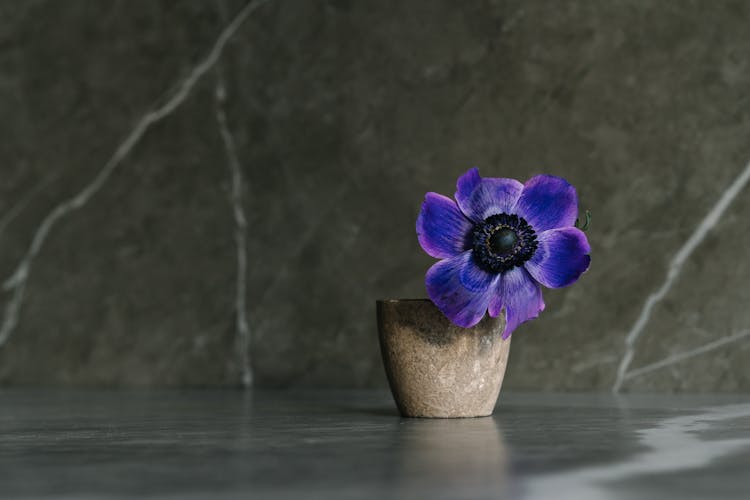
(329, 445)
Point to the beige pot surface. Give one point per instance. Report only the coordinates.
(437, 369)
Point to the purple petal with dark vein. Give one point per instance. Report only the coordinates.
(479, 198)
(561, 257)
(464, 306)
(442, 230)
(474, 278)
(521, 297)
(548, 202)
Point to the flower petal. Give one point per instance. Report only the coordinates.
(495, 306)
(460, 289)
(480, 197)
(442, 230)
(474, 278)
(561, 257)
(548, 202)
(521, 297)
(466, 184)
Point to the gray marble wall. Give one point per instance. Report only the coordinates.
(162, 163)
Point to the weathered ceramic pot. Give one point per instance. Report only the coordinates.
(437, 369)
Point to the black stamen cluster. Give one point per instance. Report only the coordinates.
(494, 254)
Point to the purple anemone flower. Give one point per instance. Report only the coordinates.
(499, 241)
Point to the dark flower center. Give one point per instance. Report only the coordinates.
(502, 242)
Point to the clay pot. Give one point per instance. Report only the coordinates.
(437, 369)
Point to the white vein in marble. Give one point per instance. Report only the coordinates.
(16, 283)
(23, 202)
(675, 267)
(682, 356)
(240, 232)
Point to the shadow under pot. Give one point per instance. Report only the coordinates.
(437, 369)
